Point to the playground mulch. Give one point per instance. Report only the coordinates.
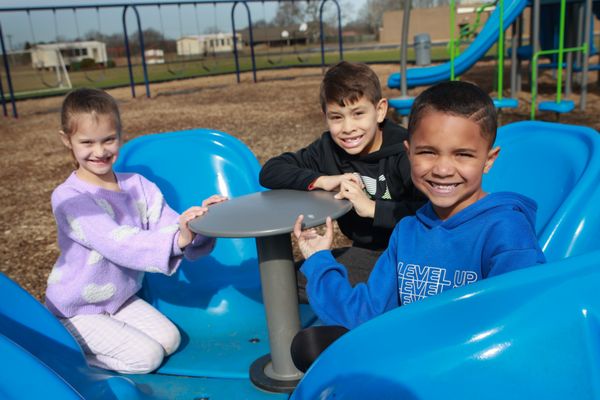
(280, 113)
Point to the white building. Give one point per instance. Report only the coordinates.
(207, 44)
(46, 55)
(155, 56)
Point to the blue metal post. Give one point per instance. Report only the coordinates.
(340, 41)
(235, 52)
(142, 49)
(8, 78)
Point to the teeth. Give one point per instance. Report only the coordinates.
(444, 188)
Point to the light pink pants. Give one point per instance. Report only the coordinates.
(133, 340)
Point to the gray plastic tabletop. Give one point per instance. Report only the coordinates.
(269, 213)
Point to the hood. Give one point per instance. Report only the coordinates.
(507, 200)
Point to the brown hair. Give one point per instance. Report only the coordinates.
(88, 101)
(460, 99)
(345, 83)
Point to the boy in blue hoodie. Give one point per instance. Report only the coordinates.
(461, 235)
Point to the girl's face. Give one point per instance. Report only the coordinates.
(448, 156)
(95, 145)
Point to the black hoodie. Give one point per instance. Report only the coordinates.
(385, 173)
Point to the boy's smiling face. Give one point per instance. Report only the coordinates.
(448, 156)
(355, 127)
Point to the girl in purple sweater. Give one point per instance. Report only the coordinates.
(112, 228)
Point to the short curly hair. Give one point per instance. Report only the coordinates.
(460, 99)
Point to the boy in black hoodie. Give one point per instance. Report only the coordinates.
(361, 157)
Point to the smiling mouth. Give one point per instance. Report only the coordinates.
(445, 188)
(100, 161)
(352, 142)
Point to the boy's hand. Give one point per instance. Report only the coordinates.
(333, 182)
(309, 241)
(363, 205)
(185, 234)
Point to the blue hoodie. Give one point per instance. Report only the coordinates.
(426, 256)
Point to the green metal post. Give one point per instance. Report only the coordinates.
(500, 50)
(452, 38)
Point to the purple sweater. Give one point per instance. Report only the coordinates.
(108, 240)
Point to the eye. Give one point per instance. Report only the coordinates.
(110, 140)
(425, 152)
(467, 155)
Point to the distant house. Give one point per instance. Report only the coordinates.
(46, 55)
(155, 56)
(207, 44)
(276, 36)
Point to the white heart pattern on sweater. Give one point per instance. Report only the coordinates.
(93, 293)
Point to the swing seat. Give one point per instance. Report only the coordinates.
(536, 328)
(402, 105)
(506, 103)
(561, 107)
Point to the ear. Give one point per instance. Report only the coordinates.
(407, 147)
(491, 158)
(65, 139)
(382, 109)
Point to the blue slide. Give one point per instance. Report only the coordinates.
(483, 42)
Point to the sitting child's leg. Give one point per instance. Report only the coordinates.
(133, 340)
(141, 315)
(309, 343)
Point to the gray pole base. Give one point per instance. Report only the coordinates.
(280, 296)
(260, 378)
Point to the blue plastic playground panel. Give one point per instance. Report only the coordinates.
(506, 102)
(39, 356)
(561, 107)
(18, 368)
(558, 166)
(402, 105)
(483, 42)
(215, 301)
(527, 334)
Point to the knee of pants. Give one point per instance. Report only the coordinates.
(170, 340)
(147, 361)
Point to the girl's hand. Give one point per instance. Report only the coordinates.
(185, 234)
(309, 241)
(214, 199)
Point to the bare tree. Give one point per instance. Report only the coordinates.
(372, 12)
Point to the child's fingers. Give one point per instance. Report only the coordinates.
(328, 228)
(214, 199)
(298, 226)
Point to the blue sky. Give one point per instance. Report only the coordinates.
(17, 28)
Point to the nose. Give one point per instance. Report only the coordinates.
(348, 125)
(99, 150)
(443, 167)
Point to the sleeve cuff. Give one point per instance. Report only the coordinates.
(176, 251)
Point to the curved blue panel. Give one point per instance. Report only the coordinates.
(529, 334)
(20, 369)
(532, 333)
(215, 301)
(557, 165)
(39, 356)
(483, 42)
